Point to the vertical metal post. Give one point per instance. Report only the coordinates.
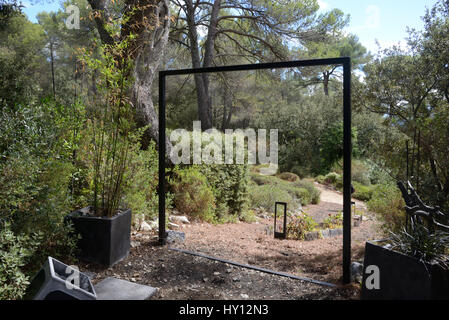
(161, 187)
(418, 160)
(407, 177)
(408, 165)
(347, 157)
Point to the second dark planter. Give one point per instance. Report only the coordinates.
(402, 277)
(103, 240)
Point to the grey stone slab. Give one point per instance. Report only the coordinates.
(310, 236)
(175, 236)
(325, 233)
(117, 289)
(335, 232)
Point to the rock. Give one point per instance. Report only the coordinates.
(91, 275)
(325, 233)
(173, 225)
(180, 219)
(356, 271)
(310, 236)
(244, 296)
(229, 270)
(144, 226)
(175, 236)
(216, 273)
(236, 279)
(135, 244)
(335, 232)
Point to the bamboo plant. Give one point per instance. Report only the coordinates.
(111, 126)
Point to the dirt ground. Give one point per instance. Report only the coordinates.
(250, 243)
(182, 276)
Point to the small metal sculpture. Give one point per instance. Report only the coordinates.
(417, 211)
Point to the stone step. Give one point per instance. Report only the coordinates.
(117, 289)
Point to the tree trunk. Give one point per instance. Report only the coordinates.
(202, 79)
(149, 20)
(52, 70)
(326, 76)
(146, 63)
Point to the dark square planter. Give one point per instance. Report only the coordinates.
(103, 240)
(403, 277)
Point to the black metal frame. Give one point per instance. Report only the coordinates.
(283, 234)
(347, 143)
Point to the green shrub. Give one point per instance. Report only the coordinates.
(300, 225)
(339, 183)
(362, 192)
(15, 253)
(320, 179)
(260, 179)
(302, 194)
(388, 203)
(315, 194)
(288, 176)
(265, 196)
(303, 191)
(36, 174)
(229, 184)
(141, 184)
(331, 178)
(193, 195)
(248, 216)
(300, 171)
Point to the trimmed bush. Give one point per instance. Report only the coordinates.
(331, 178)
(320, 179)
(261, 180)
(288, 176)
(265, 196)
(303, 191)
(315, 194)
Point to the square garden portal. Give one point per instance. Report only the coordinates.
(347, 143)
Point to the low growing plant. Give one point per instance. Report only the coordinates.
(300, 225)
(333, 221)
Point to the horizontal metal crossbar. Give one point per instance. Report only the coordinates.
(259, 66)
(247, 266)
